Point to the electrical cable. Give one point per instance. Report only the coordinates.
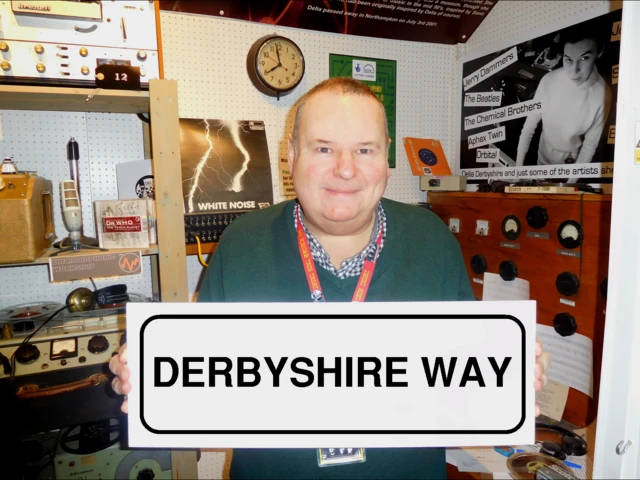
(200, 259)
(579, 235)
(26, 341)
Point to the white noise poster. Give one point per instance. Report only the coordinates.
(225, 165)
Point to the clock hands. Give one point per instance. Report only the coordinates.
(279, 63)
(278, 54)
(269, 71)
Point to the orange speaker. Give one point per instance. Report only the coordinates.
(560, 245)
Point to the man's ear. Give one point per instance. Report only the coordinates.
(291, 153)
(388, 167)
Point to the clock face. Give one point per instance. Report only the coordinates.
(280, 64)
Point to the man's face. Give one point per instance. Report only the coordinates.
(340, 168)
(579, 60)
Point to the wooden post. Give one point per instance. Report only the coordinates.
(167, 174)
(165, 142)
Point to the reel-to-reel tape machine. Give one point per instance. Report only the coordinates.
(54, 369)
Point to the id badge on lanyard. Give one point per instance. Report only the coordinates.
(329, 457)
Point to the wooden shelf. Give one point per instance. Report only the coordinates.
(44, 258)
(20, 97)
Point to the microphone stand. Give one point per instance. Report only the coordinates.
(73, 154)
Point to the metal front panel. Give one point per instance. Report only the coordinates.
(38, 48)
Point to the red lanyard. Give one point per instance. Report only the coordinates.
(362, 286)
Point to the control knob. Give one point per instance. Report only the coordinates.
(27, 353)
(40, 67)
(478, 264)
(508, 270)
(5, 65)
(537, 217)
(567, 283)
(98, 344)
(565, 324)
(84, 52)
(39, 49)
(146, 474)
(142, 55)
(4, 47)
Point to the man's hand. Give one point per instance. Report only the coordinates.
(121, 385)
(543, 360)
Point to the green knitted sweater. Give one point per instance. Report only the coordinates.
(257, 260)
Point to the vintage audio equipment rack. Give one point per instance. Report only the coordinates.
(170, 281)
(61, 42)
(557, 242)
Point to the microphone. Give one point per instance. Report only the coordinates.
(71, 211)
(72, 217)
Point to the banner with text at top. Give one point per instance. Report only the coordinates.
(432, 21)
(544, 108)
(311, 375)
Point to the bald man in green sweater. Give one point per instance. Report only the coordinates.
(339, 241)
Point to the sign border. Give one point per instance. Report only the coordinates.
(332, 432)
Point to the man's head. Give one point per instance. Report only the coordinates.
(338, 155)
(582, 47)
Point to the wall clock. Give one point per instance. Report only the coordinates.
(275, 65)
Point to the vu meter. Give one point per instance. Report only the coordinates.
(570, 234)
(511, 227)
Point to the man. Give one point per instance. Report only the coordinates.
(338, 158)
(575, 104)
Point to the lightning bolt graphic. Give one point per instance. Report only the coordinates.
(200, 166)
(230, 183)
(234, 128)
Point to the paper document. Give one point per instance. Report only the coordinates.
(552, 399)
(571, 359)
(483, 460)
(495, 288)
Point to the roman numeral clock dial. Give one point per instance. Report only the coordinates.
(275, 65)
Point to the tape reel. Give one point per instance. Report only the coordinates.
(29, 311)
(524, 465)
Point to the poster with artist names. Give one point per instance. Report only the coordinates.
(543, 109)
(380, 75)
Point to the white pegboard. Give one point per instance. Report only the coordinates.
(211, 465)
(113, 138)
